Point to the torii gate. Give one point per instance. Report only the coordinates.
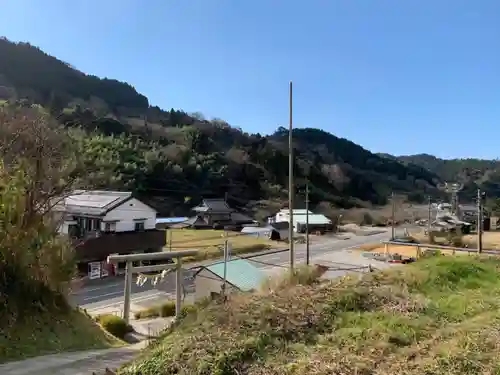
(130, 269)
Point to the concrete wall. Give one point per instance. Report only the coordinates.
(207, 283)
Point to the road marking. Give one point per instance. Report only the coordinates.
(106, 286)
(137, 299)
(117, 293)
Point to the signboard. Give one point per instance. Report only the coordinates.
(94, 270)
(104, 269)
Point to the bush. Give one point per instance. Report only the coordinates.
(114, 325)
(167, 309)
(152, 312)
(164, 310)
(188, 310)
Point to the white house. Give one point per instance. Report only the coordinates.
(94, 212)
(108, 222)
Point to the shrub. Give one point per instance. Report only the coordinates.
(152, 312)
(167, 309)
(114, 325)
(164, 310)
(188, 310)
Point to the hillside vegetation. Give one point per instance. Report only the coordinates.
(172, 159)
(39, 161)
(435, 317)
(473, 173)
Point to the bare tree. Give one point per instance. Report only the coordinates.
(51, 157)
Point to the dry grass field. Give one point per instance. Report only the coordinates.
(438, 316)
(210, 242)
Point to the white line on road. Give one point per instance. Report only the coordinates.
(105, 286)
(117, 293)
(132, 301)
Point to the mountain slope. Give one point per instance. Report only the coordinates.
(473, 173)
(171, 157)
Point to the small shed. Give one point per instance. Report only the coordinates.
(260, 232)
(281, 228)
(241, 275)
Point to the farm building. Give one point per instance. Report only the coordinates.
(317, 222)
(276, 231)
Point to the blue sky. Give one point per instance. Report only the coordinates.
(395, 76)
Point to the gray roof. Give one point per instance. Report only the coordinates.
(280, 225)
(92, 202)
(216, 205)
(238, 217)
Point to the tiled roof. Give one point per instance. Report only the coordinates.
(240, 273)
(217, 205)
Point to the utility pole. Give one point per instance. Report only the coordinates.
(290, 184)
(479, 222)
(226, 256)
(393, 217)
(307, 223)
(429, 215)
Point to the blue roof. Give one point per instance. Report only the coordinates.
(240, 273)
(170, 220)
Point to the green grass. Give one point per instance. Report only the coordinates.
(49, 333)
(438, 316)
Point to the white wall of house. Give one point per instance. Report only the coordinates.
(124, 217)
(207, 283)
(283, 234)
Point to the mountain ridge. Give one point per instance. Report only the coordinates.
(211, 155)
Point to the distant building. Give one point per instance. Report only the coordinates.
(275, 231)
(216, 214)
(241, 275)
(107, 222)
(165, 222)
(317, 222)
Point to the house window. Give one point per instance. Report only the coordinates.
(139, 226)
(110, 227)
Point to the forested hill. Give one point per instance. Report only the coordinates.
(473, 173)
(172, 158)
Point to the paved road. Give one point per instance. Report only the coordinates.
(107, 295)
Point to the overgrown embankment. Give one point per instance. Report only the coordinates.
(38, 165)
(437, 316)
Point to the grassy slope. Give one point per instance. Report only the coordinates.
(49, 333)
(437, 316)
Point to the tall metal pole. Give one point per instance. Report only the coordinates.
(307, 223)
(290, 184)
(429, 216)
(479, 222)
(128, 291)
(226, 249)
(393, 217)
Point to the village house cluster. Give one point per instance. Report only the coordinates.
(102, 223)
